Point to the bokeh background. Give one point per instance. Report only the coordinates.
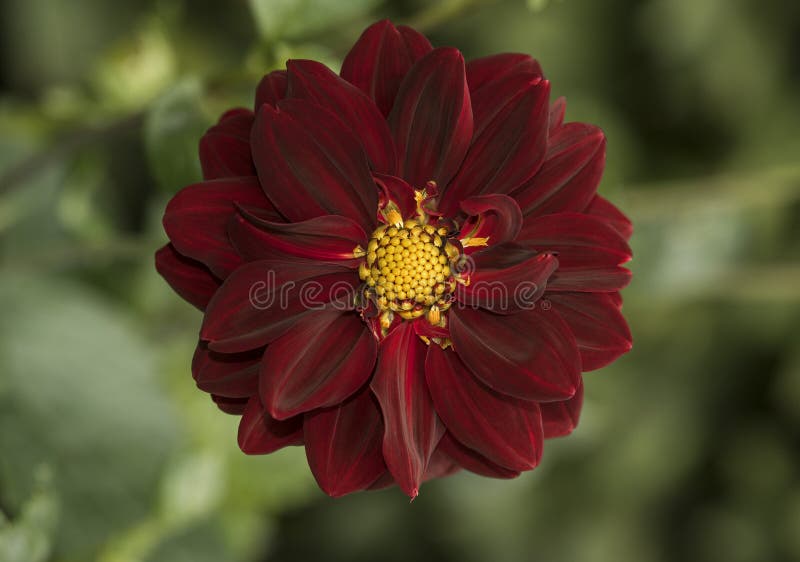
(689, 447)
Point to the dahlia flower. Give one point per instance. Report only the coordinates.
(404, 268)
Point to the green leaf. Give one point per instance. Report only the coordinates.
(80, 394)
(28, 538)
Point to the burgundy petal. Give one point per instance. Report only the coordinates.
(440, 466)
(529, 355)
(485, 70)
(599, 327)
(602, 207)
(313, 81)
(325, 238)
(271, 89)
(261, 300)
(561, 418)
(225, 148)
(343, 445)
(589, 251)
(579, 240)
(496, 217)
(260, 434)
(505, 430)
(398, 191)
(310, 165)
(412, 427)
(509, 142)
(569, 176)
(196, 220)
(380, 60)
(432, 119)
(471, 460)
(233, 406)
(558, 110)
(229, 375)
(507, 278)
(323, 359)
(189, 278)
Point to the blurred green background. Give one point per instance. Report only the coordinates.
(689, 447)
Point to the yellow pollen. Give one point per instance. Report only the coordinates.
(408, 269)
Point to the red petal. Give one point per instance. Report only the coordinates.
(561, 418)
(196, 220)
(471, 460)
(589, 251)
(189, 278)
(233, 406)
(225, 148)
(603, 208)
(509, 142)
(380, 60)
(558, 110)
(310, 165)
(313, 81)
(496, 217)
(505, 430)
(323, 359)
(529, 355)
(326, 238)
(569, 176)
(229, 375)
(440, 466)
(261, 300)
(432, 119)
(485, 70)
(507, 279)
(399, 192)
(599, 327)
(259, 434)
(412, 427)
(579, 240)
(343, 445)
(271, 89)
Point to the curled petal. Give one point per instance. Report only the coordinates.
(507, 278)
(431, 120)
(488, 70)
(261, 300)
(325, 238)
(531, 355)
(225, 148)
(599, 327)
(505, 430)
(189, 278)
(260, 434)
(561, 418)
(313, 81)
(394, 189)
(196, 220)
(229, 375)
(603, 208)
(568, 178)
(343, 445)
(471, 460)
(319, 362)
(495, 219)
(271, 89)
(412, 427)
(380, 60)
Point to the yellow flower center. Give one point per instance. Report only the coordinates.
(408, 269)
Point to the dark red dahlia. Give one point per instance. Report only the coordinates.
(405, 267)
